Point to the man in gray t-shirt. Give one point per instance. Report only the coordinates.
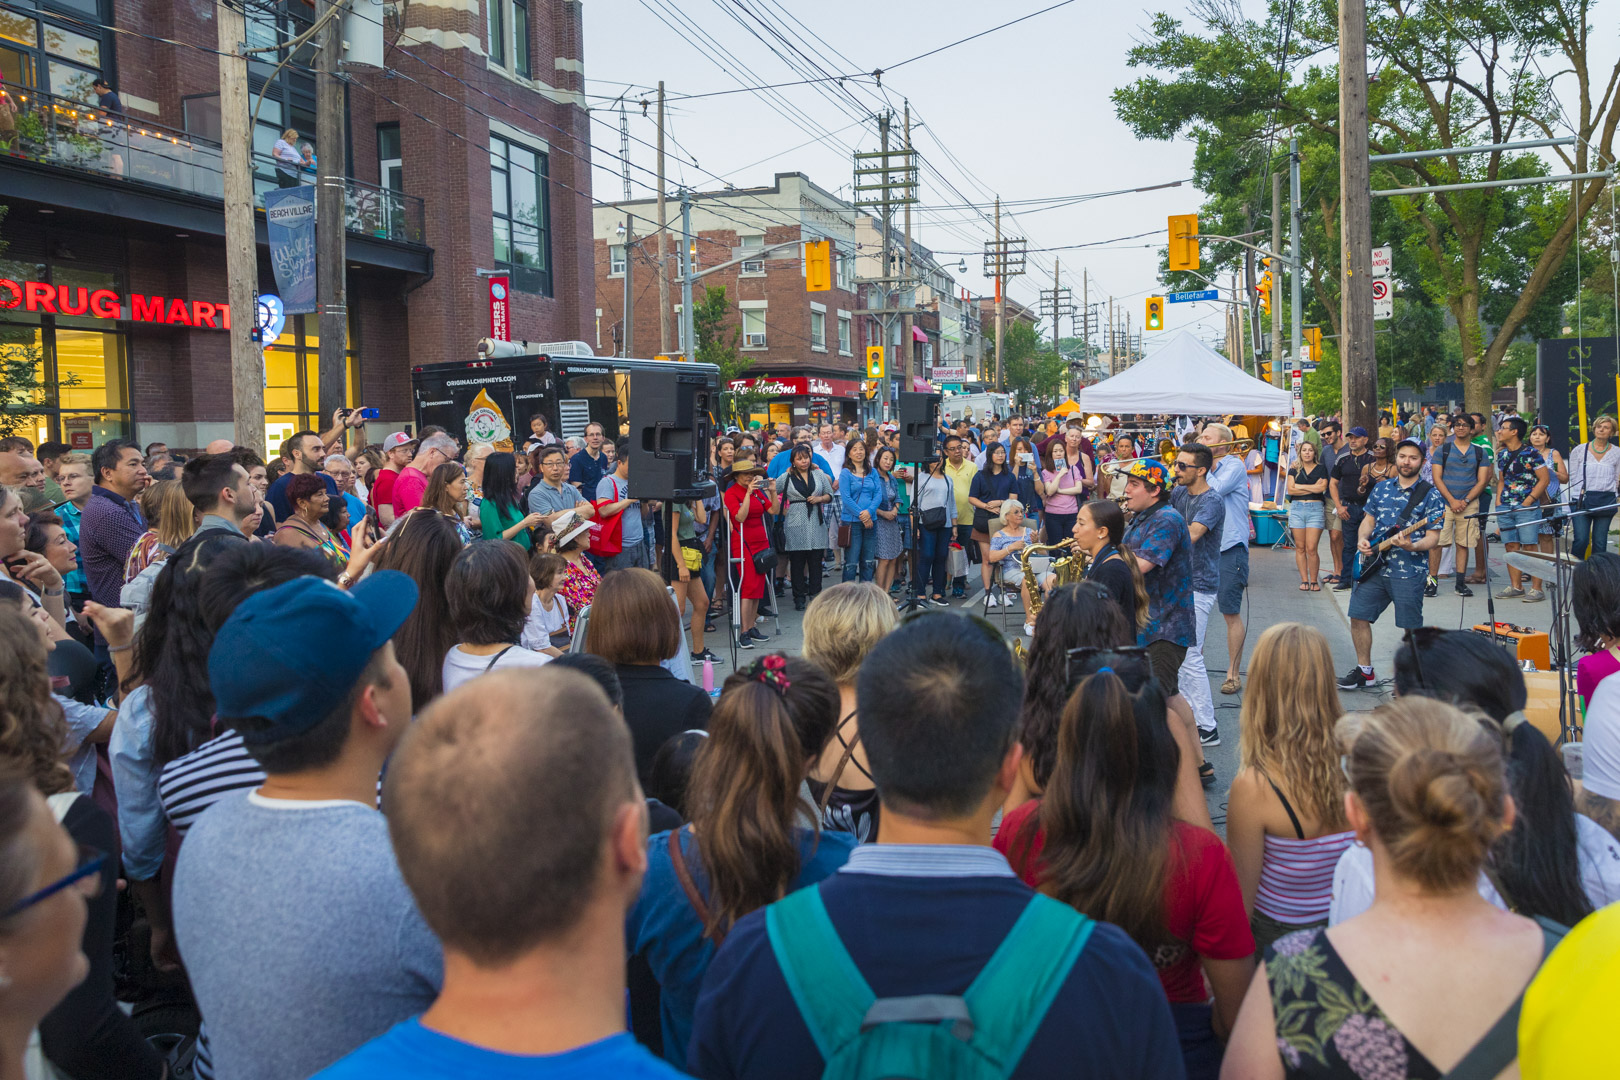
(1205, 512)
(615, 487)
(551, 494)
(298, 933)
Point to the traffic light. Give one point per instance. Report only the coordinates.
(1183, 241)
(874, 362)
(818, 266)
(1265, 287)
(1265, 370)
(1313, 344)
(1155, 313)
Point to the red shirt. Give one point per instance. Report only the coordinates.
(408, 490)
(382, 488)
(1203, 904)
(752, 531)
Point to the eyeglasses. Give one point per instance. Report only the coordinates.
(90, 863)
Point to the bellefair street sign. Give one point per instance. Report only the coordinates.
(40, 297)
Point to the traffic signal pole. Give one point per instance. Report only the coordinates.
(1296, 258)
(1278, 376)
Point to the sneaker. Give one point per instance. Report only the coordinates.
(992, 600)
(1206, 774)
(1355, 679)
(1209, 736)
(706, 654)
(1344, 586)
(757, 636)
(1029, 629)
(939, 601)
(1431, 588)
(1464, 590)
(745, 642)
(1534, 596)
(1509, 593)
(958, 593)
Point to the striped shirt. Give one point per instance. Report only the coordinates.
(1296, 877)
(192, 783)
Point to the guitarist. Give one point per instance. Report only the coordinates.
(1402, 501)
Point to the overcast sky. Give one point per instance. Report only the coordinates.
(1023, 113)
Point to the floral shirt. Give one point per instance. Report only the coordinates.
(1328, 1026)
(1385, 506)
(578, 588)
(1161, 537)
(1518, 471)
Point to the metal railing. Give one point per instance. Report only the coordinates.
(72, 135)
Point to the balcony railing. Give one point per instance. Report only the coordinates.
(72, 135)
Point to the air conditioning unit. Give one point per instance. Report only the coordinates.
(754, 266)
(753, 339)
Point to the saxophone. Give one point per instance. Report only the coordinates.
(1066, 571)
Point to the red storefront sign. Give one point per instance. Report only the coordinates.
(500, 324)
(38, 296)
(797, 385)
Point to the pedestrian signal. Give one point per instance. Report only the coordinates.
(818, 266)
(1155, 313)
(874, 362)
(1183, 241)
(1313, 343)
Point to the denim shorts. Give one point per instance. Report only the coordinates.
(1521, 526)
(1306, 515)
(1234, 579)
(1382, 589)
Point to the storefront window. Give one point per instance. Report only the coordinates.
(292, 381)
(81, 367)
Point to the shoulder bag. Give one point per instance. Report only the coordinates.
(934, 517)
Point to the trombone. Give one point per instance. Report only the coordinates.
(1169, 448)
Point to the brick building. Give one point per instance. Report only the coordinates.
(806, 348)
(470, 152)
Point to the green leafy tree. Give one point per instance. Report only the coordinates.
(22, 386)
(718, 342)
(1448, 74)
(1032, 368)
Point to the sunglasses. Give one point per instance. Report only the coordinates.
(90, 863)
(1131, 663)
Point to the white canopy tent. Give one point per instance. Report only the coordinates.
(1185, 377)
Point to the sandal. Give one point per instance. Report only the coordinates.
(1206, 774)
(1316, 586)
(1304, 586)
(1330, 579)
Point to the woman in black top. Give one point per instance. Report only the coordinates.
(634, 626)
(990, 487)
(1307, 514)
(1098, 530)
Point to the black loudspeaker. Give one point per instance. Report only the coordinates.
(669, 433)
(919, 426)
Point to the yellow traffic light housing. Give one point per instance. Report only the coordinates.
(1183, 241)
(874, 362)
(1265, 287)
(1313, 344)
(818, 266)
(1265, 370)
(1155, 313)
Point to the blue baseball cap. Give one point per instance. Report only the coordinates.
(1357, 433)
(292, 654)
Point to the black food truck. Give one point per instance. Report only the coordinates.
(493, 399)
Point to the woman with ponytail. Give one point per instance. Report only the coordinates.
(1103, 839)
(751, 839)
(1429, 796)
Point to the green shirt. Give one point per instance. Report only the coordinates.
(493, 521)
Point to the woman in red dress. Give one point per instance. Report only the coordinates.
(750, 497)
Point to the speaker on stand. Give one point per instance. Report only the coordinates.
(919, 444)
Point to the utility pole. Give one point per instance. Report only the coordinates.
(665, 315)
(1277, 378)
(908, 288)
(1359, 362)
(689, 343)
(1001, 297)
(1113, 357)
(627, 338)
(331, 261)
(1296, 261)
(1130, 351)
(1241, 342)
(886, 274)
(1085, 313)
(241, 259)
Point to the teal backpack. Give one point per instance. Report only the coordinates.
(978, 1036)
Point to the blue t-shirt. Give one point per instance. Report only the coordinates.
(913, 935)
(1384, 505)
(1160, 536)
(585, 472)
(665, 929)
(409, 1051)
(1460, 468)
(1208, 510)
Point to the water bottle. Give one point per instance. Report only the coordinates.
(708, 680)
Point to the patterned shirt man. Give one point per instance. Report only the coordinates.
(1517, 469)
(1160, 536)
(1386, 506)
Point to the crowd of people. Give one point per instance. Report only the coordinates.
(395, 761)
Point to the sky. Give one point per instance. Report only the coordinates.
(1023, 112)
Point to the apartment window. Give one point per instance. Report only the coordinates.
(615, 260)
(844, 334)
(752, 240)
(520, 36)
(680, 331)
(753, 327)
(390, 162)
(846, 271)
(517, 177)
(818, 329)
(497, 32)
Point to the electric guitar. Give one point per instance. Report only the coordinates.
(1373, 563)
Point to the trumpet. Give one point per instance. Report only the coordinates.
(1168, 448)
(1239, 446)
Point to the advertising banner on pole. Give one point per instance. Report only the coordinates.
(289, 215)
(500, 323)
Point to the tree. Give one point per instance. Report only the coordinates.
(22, 368)
(717, 343)
(1032, 368)
(1450, 73)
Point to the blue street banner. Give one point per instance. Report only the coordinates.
(289, 215)
(1185, 297)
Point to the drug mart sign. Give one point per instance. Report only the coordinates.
(43, 298)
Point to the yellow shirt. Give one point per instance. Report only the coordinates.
(961, 479)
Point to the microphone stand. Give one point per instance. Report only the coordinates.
(1490, 592)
